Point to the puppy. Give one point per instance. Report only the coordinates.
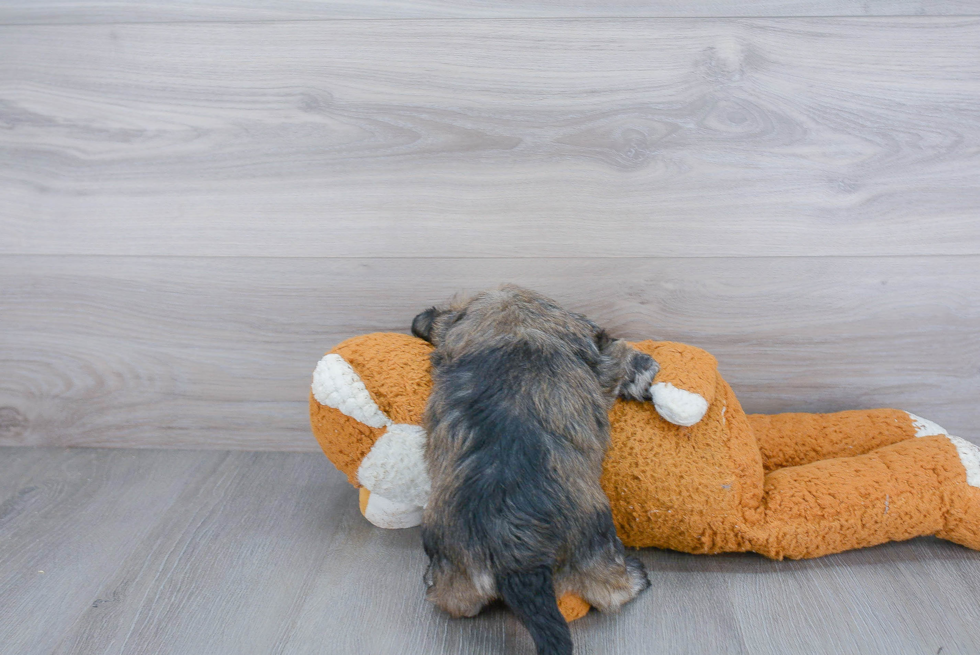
(518, 427)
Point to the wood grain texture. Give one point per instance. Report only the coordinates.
(127, 11)
(218, 352)
(227, 566)
(528, 138)
(240, 553)
(72, 517)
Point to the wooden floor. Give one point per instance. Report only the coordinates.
(155, 551)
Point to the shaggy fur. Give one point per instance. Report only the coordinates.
(518, 428)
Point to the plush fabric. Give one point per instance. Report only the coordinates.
(689, 471)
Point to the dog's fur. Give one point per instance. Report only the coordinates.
(518, 428)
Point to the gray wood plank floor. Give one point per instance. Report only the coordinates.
(157, 552)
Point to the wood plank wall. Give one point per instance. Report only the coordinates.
(198, 198)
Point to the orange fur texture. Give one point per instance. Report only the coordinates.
(786, 485)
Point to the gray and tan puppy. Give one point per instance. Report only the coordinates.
(518, 428)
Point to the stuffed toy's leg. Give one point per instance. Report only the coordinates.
(915, 487)
(796, 439)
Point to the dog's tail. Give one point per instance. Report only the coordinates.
(530, 594)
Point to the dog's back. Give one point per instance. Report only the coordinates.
(518, 428)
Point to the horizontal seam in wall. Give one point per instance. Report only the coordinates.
(218, 21)
(487, 257)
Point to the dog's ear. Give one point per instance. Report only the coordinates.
(602, 340)
(422, 324)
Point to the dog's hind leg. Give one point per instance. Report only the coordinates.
(602, 573)
(608, 583)
(454, 590)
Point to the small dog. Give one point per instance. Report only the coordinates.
(518, 427)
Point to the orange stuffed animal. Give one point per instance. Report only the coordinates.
(689, 471)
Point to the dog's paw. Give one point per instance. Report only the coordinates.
(676, 405)
(640, 371)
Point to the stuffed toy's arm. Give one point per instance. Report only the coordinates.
(685, 384)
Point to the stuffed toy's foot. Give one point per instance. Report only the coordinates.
(915, 487)
(963, 503)
(963, 513)
(393, 478)
(385, 513)
(572, 607)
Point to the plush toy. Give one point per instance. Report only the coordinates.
(689, 471)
